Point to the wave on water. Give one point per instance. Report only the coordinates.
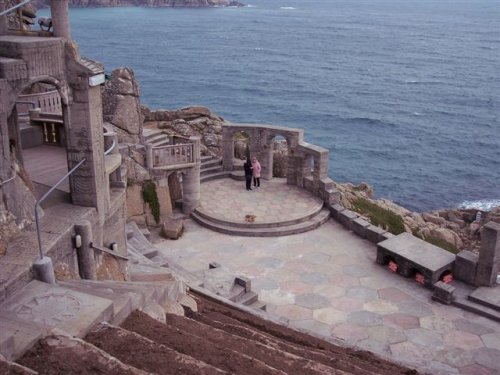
(483, 205)
(289, 8)
(367, 121)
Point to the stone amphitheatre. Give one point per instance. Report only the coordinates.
(126, 245)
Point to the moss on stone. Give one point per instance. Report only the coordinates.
(151, 198)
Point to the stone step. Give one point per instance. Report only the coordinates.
(179, 331)
(210, 170)
(477, 308)
(308, 216)
(212, 162)
(206, 158)
(138, 241)
(59, 353)
(122, 302)
(17, 335)
(236, 292)
(305, 226)
(487, 296)
(258, 305)
(238, 175)
(145, 354)
(41, 306)
(247, 299)
(12, 368)
(215, 176)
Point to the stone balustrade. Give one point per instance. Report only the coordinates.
(170, 155)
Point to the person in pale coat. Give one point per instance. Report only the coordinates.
(256, 168)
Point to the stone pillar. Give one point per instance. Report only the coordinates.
(3, 19)
(488, 264)
(191, 180)
(60, 18)
(227, 149)
(86, 140)
(86, 259)
(267, 163)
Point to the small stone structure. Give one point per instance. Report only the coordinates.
(488, 263)
(307, 165)
(413, 255)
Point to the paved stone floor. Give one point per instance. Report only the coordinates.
(326, 281)
(274, 201)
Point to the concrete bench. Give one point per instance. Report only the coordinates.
(413, 255)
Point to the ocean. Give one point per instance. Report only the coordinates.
(404, 94)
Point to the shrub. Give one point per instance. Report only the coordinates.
(151, 198)
(379, 216)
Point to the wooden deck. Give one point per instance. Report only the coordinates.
(46, 165)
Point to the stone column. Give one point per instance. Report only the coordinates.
(60, 18)
(267, 163)
(3, 19)
(191, 180)
(227, 149)
(488, 265)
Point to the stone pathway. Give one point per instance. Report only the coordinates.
(326, 281)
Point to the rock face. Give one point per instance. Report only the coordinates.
(187, 122)
(146, 3)
(459, 228)
(121, 105)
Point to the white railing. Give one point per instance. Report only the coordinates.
(170, 155)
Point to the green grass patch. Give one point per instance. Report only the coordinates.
(379, 216)
(442, 244)
(151, 198)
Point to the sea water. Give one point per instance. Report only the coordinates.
(404, 94)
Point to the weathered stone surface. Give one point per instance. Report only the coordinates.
(155, 311)
(135, 203)
(172, 228)
(465, 266)
(121, 106)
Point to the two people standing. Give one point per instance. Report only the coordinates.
(252, 169)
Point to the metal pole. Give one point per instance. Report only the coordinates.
(38, 202)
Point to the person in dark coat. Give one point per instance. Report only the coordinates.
(248, 173)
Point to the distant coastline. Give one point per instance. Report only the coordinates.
(146, 3)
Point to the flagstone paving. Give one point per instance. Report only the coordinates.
(326, 281)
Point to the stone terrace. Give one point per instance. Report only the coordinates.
(327, 282)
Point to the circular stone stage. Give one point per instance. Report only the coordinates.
(274, 209)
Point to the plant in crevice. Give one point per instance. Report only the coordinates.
(151, 198)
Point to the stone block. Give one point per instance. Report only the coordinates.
(375, 234)
(465, 266)
(346, 218)
(443, 293)
(359, 226)
(335, 210)
(244, 282)
(386, 236)
(172, 228)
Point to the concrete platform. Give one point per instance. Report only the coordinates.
(51, 306)
(277, 209)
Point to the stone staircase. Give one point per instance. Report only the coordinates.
(274, 229)
(156, 137)
(484, 301)
(211, 169)
(212, 338)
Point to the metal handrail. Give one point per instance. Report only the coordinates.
(95, 247)
(3, 13)
(14, 174)
(38, 202)
(111, 148)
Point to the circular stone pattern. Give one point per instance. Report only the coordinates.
(50, 309)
